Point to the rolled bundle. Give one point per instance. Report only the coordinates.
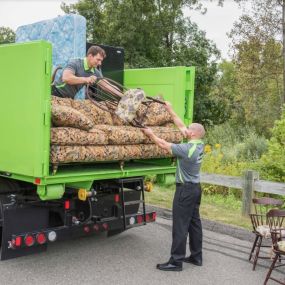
(120, 135)
(155, 114)
(117, 121)
(64, 116)
(66, 154)
(153, 151)
(72, 136)
(61, 101)
(169, 134)
(89, 109)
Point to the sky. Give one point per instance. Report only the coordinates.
(217, 22)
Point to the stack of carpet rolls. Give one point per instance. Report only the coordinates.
(83, 132)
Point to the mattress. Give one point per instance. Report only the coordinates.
(67, 34)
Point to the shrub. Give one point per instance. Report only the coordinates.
(272, 164)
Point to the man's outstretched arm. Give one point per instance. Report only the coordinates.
(158, 141)
(177, 121)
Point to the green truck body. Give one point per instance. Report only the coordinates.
(25, 114)
(39, 206)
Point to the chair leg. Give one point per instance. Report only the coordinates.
(270, 269)
(253, 248)
(257, 252)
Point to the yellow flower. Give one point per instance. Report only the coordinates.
(207, 148)
(218, 145)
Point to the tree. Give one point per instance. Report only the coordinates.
(154, 33)
(272, 163)
(224, 93)
(258, 59)
(267, 21)
(7, 35)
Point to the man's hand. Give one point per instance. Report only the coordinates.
(148, 132)
(90, 80)
(158, 141)
(168, 106)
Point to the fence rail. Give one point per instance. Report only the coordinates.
(249, 184)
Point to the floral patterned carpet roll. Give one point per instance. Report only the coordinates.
(68, 154)
(64, 116)
(82, 132)
(72, 136)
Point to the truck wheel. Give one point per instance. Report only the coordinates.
(8, 185)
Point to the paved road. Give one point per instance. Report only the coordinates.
(130, 258)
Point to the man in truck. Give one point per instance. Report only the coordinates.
(186, 203)
(80, 72)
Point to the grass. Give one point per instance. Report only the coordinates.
(216, 207)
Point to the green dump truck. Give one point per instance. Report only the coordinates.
(37, 206)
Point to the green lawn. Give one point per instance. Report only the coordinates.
(224, 209)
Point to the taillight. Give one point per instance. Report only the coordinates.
(147, 217)
(86, 229)
(139, 219)
(105, 226)
(29, 240)
(117, 198)
(18, 241)
(67, 205)
(52, 236)
(96, 227)
(41, 238)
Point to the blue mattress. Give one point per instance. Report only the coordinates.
(67, 34)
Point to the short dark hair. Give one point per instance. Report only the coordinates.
(95, 50)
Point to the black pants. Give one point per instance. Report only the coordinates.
(186, 220)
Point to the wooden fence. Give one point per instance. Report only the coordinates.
(250, 183)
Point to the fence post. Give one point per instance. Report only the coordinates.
(249, 177)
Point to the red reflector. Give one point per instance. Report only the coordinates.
(139, 219)
(41, 238)
(147, 217)
(86, 229)
(117, 198)
(29, 240)
(67, 205)
(96, 227)
(37, 181)
(105, 226)
(18, 241)
(154, 216)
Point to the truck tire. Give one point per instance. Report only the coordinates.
(8, 186)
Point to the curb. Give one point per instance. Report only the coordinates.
(217, 227)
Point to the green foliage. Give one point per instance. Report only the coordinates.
(232, 149)
(7, 35)
(272, 163)
(154, 33)
(251, 148)
(257, 55)
(224, 92)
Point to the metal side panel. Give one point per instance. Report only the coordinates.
(25, 73)
(175, 84)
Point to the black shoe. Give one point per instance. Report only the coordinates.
(170, 266)
(197, 262)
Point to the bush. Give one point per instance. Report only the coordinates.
(252, 148)
(272, 164)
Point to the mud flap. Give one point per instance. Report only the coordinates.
(16, 220)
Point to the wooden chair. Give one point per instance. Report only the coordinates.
(260, 225)
(276, 222)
